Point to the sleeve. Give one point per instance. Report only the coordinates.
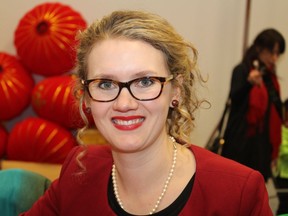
(49, 203)
(254, 199)
(239, 87)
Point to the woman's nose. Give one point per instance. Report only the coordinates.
(125, 101)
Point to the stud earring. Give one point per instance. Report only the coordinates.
(175, 103)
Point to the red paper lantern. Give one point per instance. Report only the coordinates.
(3, 140)
(16, 85)
(45, 38)
(53, 99)
(38, 140)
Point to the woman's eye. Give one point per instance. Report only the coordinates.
(106, 85)
(145, 82)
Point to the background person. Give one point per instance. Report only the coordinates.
(253, 132)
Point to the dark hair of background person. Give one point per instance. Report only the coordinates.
(265, 40)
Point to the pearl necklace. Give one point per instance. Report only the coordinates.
(115, 186)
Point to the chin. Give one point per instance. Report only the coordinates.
(125, 145)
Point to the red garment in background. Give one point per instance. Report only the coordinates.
(258, 105)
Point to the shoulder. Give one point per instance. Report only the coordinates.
(210, 164)
(221, 183)
(241, 69)
(88, 158)
(90, 151)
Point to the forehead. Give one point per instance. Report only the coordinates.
(118, 58)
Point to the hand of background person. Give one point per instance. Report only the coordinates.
(255, 77)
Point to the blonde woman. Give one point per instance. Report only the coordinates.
(138, 76)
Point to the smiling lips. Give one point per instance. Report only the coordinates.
(127, 122)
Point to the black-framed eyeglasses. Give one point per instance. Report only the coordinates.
(143, 89)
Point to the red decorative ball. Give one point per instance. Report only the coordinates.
(45, 38)
(39, 140)
(16, 85)
(53, 99)
(3, 141)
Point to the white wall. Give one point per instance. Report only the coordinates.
(214, 26)
(272, 14)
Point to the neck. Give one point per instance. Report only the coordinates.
(130, 182)
(149, 160)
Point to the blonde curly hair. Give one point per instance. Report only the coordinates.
(181, 58)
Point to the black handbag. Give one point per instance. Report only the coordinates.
(216, 140)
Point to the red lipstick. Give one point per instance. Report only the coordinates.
(127, 122)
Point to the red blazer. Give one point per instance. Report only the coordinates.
(221, 187)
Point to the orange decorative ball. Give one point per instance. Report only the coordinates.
(53, 99)
(38, 140)
(45, 38)
(16, 86)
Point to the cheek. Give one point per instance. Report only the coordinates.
(160, 107)
(99, 111)
(270, 58)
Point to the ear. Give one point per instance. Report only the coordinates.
(85, 103)
(176, 95)
(86, 99)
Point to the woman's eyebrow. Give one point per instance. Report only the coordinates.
(113, 76)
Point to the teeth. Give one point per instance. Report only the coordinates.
(130, 122)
